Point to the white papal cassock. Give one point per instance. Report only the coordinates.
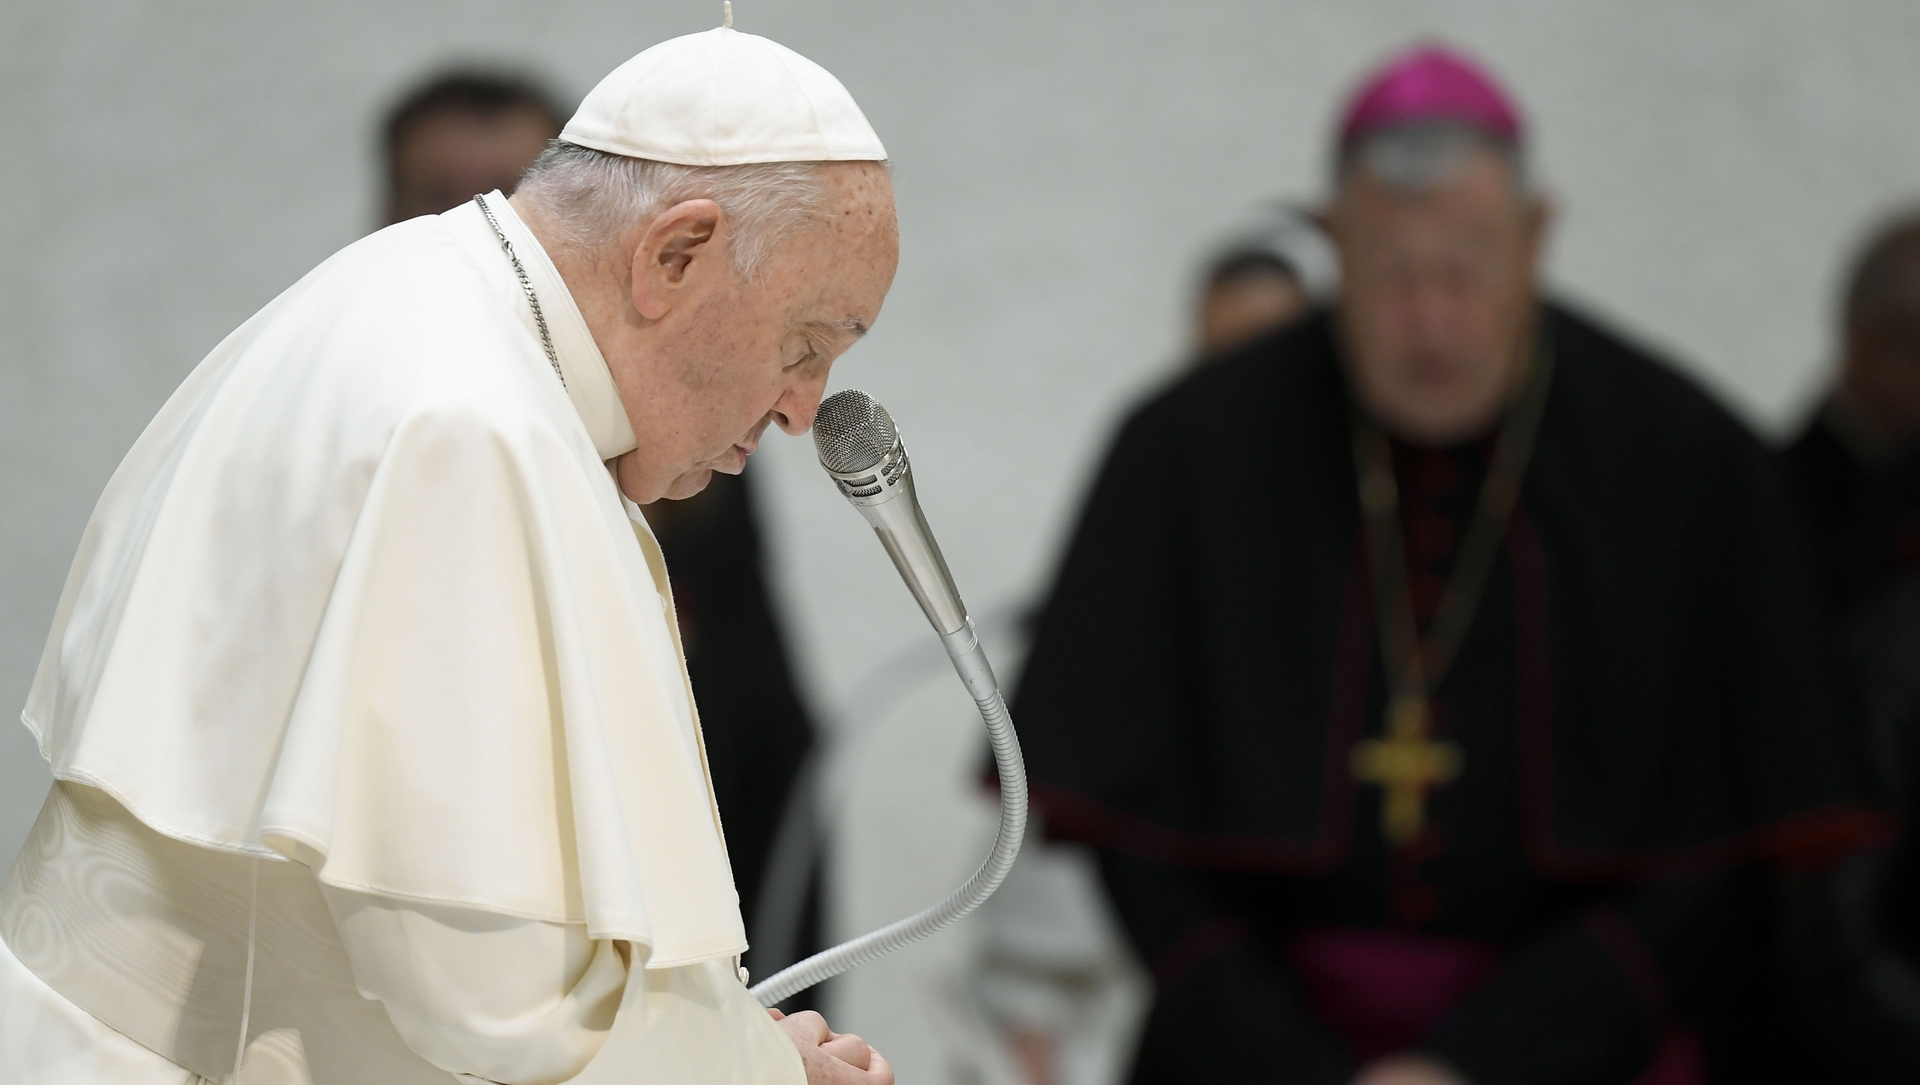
(364, 653)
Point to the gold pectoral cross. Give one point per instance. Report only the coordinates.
(1405, 764)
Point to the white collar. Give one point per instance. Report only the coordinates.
(589, 382)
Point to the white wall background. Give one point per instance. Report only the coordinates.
(169, 167)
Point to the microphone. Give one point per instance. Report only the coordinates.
(861, 449)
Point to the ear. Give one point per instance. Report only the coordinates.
(680, 249)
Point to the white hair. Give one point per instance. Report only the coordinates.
(596, 197)
(1423, 155)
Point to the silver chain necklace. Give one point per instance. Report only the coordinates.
(539, 317)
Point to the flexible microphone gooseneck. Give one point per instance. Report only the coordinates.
(860, 447)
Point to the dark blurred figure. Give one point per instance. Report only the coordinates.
(1856, 467)
(1437, 676)
(1853, 932)
(463, 134)
(1267, 277)
(468, 133)
(1247, 293)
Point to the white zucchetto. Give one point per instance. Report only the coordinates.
(724, 98)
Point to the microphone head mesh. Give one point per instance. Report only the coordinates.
(852, 432)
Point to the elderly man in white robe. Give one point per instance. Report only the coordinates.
(375, 753)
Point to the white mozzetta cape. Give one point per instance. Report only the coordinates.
(364, 595)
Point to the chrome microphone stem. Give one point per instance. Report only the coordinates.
(860, 447)
(963, 647)
(884, 494)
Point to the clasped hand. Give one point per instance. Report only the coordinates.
(833, 1058)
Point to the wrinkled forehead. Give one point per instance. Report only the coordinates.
(841, 270)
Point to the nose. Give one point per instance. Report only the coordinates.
(795, 409)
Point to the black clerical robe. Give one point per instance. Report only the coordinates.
(1636, 702)
(1859, 507)
(1851, 932)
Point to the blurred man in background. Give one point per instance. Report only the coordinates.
(1247, 293)
(461, 134)
(469, 132)
(1856, 466)
(1053, 973)
(1852, 932)
(1265, 278)
(1435, 676)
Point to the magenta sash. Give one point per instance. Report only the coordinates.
(1381, 991)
